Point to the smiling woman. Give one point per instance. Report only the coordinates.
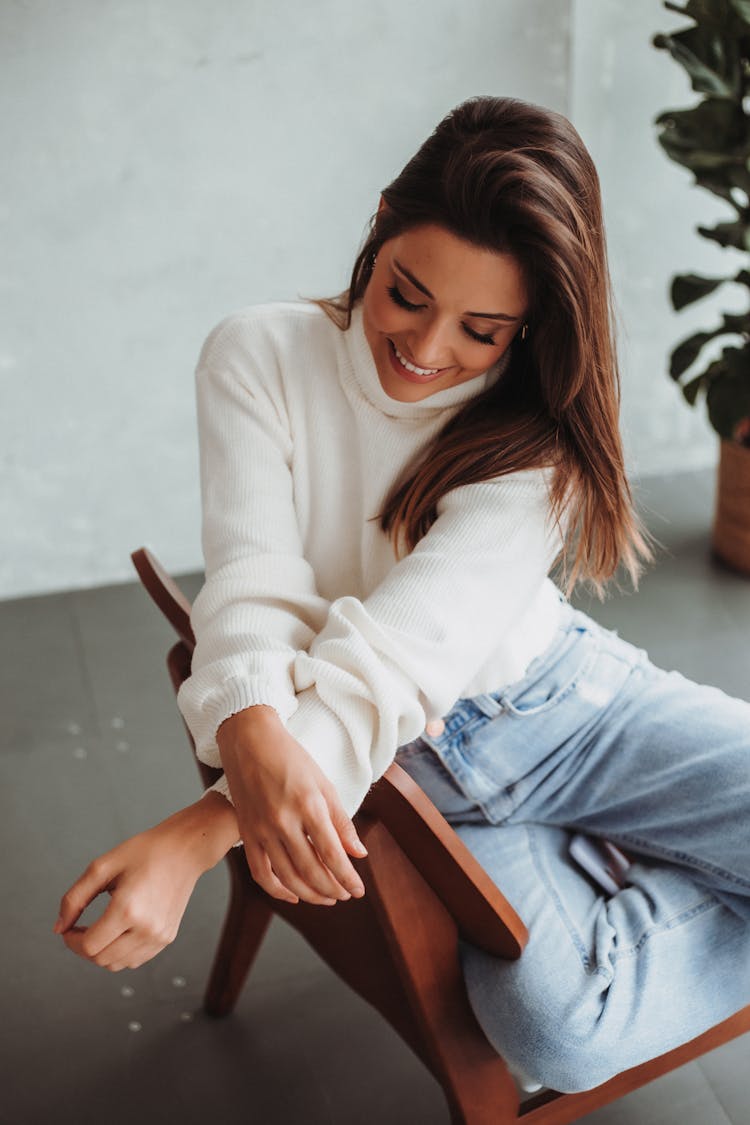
(418, 318)
(389, 479)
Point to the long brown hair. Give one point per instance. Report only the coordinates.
(508, 176)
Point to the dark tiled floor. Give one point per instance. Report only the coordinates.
(92, 750)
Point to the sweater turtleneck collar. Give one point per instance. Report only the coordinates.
(367, 378)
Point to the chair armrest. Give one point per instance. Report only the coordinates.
(483, 915)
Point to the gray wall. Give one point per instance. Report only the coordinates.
(174, 160)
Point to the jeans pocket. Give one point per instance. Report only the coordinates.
(429, 771)
(550, 680)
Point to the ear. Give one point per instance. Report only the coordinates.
(382, 206)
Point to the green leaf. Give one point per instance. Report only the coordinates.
(742, 8)
(720, 182)
(735, 233)
(690, 390)
(737, 322)
(711, 138)
(713, 123)
(689, 287)
(688, 351)
(701, 50)
(709, 11)
(728, 394)
(715, 370)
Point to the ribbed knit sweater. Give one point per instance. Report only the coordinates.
(305, 607)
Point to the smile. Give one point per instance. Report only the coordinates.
(423, 372)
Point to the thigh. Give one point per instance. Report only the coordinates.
(595, 737)
(605, 983)
(665, 771)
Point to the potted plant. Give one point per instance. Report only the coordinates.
(712, 140)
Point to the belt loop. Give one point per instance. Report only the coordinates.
(487, 705)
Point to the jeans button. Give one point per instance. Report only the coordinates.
(435, 728)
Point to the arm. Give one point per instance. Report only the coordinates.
(150, 878)
(259, 604)
(382, 666)
(374, 673)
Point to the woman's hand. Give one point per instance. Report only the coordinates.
(294, 828)
(150, 878)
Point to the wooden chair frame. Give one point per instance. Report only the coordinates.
(397, 947)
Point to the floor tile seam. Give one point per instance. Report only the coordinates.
(83, 663)
(716, 1090)
(97, 723)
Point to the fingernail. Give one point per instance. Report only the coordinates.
(358, 891)
(57, 926)
(360, 847)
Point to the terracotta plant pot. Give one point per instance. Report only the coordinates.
(731, 533)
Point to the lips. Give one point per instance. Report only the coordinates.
(409, 370)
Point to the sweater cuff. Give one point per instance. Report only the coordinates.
(235, 694)
(324, 736)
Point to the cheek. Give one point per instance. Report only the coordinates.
(478, 357)
(381, 311)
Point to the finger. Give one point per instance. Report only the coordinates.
(272, 869)
(345, 828)
(306, 856)
(94, 880)
(306, 865)
(286, 871)
(90, 941)
(78, 941)
(128, 952)
(337, 877)
(330, 849)
(263, 874)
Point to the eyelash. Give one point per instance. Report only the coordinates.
(399, 299)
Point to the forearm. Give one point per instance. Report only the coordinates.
(206, 829)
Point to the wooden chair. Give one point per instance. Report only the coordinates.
(397, 946)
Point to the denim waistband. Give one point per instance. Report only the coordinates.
(489, 703)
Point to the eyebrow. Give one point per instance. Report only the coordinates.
(423, 289)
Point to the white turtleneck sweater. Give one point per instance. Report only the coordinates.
(304, 607)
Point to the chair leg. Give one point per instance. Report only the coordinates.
(245, 926)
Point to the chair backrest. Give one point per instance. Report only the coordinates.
(165, 592)
(482, 914)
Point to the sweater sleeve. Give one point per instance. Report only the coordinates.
(259, 605)
(381, 666)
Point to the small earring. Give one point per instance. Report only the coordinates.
(524, 331)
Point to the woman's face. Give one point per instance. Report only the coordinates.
(442, 306)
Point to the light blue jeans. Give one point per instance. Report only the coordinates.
(596, 739)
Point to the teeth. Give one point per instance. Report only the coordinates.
(412, 367)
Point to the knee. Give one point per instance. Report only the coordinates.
(557, 1040)
(561, 1061)
(555, 1054)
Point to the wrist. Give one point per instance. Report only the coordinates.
(206, 829)
(247, 727)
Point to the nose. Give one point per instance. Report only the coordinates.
(429, 344)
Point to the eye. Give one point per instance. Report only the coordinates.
(478, 336)
(399, 299)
